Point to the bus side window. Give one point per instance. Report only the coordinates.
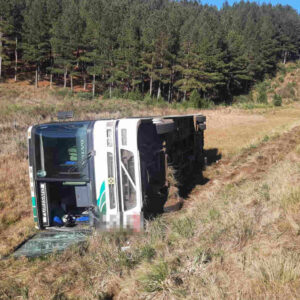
(128, 179)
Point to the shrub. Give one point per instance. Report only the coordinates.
(291, 89)
(175, 105)
(196, 101)
(266, 138)
(161, 102)
(148, 99)
(282, 69)
(128, 260)
(277, 100)
(134, 95)
(281, 79)
(287, 91)
(244, 98)
(185, 104)
(105, 95)
(147, 252)
(84, 96)
(62, 93)
(115, 93)
(203, 256)
(262, 96)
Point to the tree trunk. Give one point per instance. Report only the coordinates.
(36, 77)
(151, 84)
(84, 82)
(0, 55)
(110, 90)
(65, 78)
(170, 88)
(71, 82)
(51, 80)
(158, 91)
(1, 44)
(285, 57)
(16, 59)
(94, 84)
(184, 96)
(143, 85)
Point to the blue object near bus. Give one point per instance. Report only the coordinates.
(83, 219)
(70, 163)
(58, 221)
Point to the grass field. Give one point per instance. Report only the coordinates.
(237, 236)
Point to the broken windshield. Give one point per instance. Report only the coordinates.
(45, 242)
(62, 151)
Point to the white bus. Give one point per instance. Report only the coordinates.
(109, 173)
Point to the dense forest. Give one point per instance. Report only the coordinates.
(162, 48)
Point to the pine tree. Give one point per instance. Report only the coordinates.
(66, 40)
(6, 29)
(36, 45)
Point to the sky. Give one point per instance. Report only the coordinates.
(293, 3)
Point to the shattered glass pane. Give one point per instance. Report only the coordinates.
(46, 242)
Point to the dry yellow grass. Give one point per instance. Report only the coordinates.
(236, 237)
(232, 130)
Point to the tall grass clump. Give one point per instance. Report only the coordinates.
(291, 199)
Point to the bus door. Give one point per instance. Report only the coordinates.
(105, 174)
(113, 205)
(130, 191)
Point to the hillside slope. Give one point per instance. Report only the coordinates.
(237, 235)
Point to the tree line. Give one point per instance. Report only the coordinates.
(163, 48)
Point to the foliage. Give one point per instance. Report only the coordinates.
(134, 95)
(277, 100)
(167, 49)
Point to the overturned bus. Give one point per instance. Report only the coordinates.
(109, 173)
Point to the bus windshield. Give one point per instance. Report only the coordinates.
(62, 151)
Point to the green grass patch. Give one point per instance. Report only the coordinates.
(152, 280)
(184, 227)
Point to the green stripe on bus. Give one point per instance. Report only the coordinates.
(33, 201)
(35, 219)
(101, 202)
(34, 212)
